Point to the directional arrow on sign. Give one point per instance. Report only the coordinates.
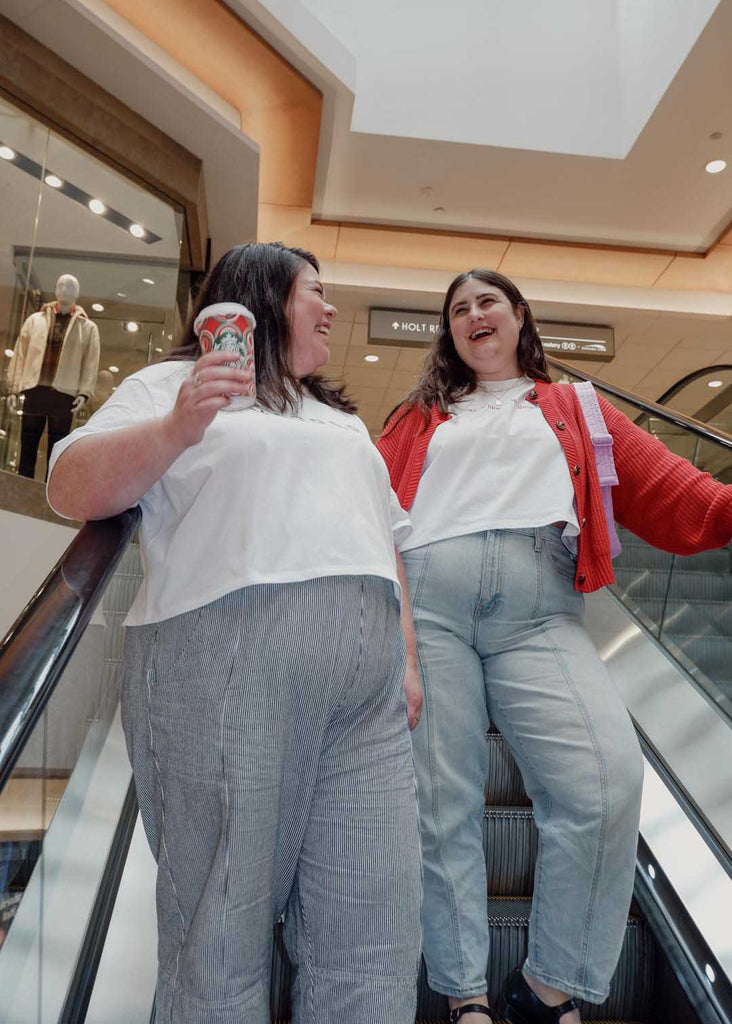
(395, 325)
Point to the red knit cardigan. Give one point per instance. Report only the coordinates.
(660, 496)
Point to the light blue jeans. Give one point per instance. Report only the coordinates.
(500, 636)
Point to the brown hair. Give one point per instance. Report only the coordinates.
(261, 277)
(446, 378)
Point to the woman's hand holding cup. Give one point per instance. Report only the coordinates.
(207, 390)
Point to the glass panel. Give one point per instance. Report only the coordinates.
(683, 601)
(23, 145)
(57, 815)
(121, 244)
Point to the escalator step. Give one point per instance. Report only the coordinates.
(508, 919)
(504, 786)
(510, 840)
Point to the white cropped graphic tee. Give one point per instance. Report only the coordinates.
(262, 498)
(496, 464)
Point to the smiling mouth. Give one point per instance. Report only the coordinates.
(323, 329)
(482, 333)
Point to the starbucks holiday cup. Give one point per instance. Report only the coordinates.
(229, 327)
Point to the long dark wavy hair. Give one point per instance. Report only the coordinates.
(261, 277)
(446, 378)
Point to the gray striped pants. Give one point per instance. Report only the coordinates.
(267, 733)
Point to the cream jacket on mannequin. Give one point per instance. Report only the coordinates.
(78, 363)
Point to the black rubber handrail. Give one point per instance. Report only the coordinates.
(689, 378)
(661, 412)
(37, 648)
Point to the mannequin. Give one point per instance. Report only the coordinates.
(54, 365)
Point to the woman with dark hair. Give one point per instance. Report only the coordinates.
(262, 687)
(496, 467)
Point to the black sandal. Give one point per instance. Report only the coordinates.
(457, 1013)
(519, 1005)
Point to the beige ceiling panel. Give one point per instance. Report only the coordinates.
(726, 238)
(687, 359)
(368, 376)
(422, 250)
(340, 333)
(356, 356)
(713, 273)
(405, 379)
(585, 264)
(291, 225)
(411, 359)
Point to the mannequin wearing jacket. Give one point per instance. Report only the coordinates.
(54, 366)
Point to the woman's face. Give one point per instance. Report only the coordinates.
(310, 318)
(485, 329)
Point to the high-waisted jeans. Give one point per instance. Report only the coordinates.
(500, 634)
(268, 736)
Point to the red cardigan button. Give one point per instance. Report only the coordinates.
(581, 579)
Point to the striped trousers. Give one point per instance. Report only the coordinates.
(267, 733)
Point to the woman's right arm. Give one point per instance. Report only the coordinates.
(104, 474)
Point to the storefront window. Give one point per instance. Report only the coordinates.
(89, 271)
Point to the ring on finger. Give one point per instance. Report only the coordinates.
(196, 378)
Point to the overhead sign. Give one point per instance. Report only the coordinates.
(577, 341)
(415, 329)
(402, 327)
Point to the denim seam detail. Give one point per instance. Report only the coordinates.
(449, 884)
(582, 961)
(590, 994)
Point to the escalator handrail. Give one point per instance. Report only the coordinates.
(689, 378)
(660, 412)
(39, 644)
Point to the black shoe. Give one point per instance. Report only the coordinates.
(457, 1013)
(522, 1006)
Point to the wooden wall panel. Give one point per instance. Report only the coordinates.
(558, 262)
(396, 247)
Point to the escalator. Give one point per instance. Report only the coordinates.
(77, 941)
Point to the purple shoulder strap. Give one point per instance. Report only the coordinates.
(602, 444)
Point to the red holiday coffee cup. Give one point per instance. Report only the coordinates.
(229, 327)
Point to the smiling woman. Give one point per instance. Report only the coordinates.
(265, 672)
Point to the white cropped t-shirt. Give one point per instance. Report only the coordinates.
(262, 498)
(494, 465)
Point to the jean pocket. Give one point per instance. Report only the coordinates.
(561, 558)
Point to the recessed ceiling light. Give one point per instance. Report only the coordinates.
(97, 307)
(122, 295)
(53, 180)
(715, 383)
(147, 280)
(158, 350)
(114, 369)
(8, 352)
(137, 230)
(7, 153)
(371, 359)
(715, 166)
(132, 326)
(97, 206)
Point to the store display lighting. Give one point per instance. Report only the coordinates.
(97, 307)
(114, 369)
(122, 295)
(78, 195)
(715, 166)
(9, 352)
(371, 359)
(715, 383)
(132, 326)
(147, 280)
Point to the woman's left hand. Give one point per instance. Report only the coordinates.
(413, 691)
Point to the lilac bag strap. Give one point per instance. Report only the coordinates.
(602, 444)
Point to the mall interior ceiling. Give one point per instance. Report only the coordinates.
(580, 165)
